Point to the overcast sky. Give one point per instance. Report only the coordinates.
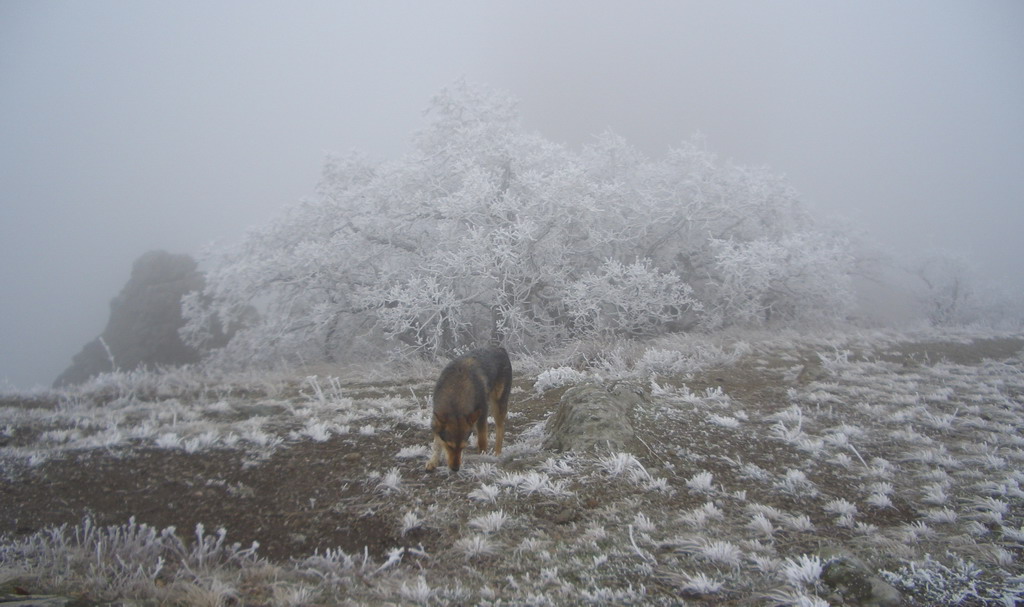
(129, 126)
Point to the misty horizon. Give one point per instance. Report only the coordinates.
(156, 126)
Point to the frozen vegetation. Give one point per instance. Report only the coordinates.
(778, 449)
(485, 231)
(769, 458)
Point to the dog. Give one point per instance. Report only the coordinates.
(467, 388)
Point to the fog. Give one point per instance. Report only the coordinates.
(131, 126)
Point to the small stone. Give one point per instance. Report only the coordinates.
(564, 516)
(351, 457)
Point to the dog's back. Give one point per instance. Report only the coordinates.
(467, 388)
(461, 389)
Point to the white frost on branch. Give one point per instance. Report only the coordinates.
(485, 231)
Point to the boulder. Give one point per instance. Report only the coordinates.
(853, 583)
(144, 320)
(596, 417)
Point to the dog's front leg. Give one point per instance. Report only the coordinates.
(435, 455)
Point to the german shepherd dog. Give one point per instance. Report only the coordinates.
(467, 388)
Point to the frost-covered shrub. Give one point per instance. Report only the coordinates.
(485, 493)
(802, 571)
(492, 522)
(702, 482)
(632, 300)
(956, 583)
(796, 276)
(485, 231)
(659, 361)
(531, 482)
(556, 378)
(476, 546)
(110, 562)
(700, 583)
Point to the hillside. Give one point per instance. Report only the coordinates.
(768, 464)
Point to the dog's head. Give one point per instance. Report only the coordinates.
(454, 432)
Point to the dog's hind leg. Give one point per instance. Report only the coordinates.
(499, 433)
(481, 432)
(499, 409)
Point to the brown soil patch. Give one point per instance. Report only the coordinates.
(311, 496)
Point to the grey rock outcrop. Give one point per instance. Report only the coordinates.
(596, 417)
(144, 321)
(853, 583)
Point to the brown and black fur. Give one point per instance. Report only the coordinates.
(468, 387)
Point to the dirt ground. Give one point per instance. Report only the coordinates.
(306, 496)
(310, 496)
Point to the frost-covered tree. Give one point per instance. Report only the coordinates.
(945, 289)
(951, 290)
(797, 275)
(488, 232)
(634, 300)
